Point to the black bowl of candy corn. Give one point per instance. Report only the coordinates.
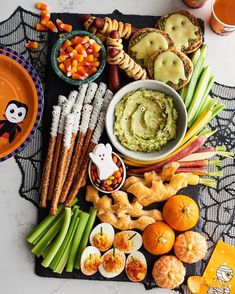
(113, 182)
(78, 57)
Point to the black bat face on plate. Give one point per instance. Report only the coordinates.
(16, 111)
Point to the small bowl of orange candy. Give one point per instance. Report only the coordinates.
(78, 57)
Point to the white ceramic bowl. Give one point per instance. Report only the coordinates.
(181, 121)
(123, 177)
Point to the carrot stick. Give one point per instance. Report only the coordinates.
(195, 145)
(202, 171)
(194, 163)
(206, 149)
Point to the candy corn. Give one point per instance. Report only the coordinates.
(45, 18)
(63, 27)
(41, 6)
(51, 26)
(40, 27)
(32, 45)
(59, 23)
(78, 57)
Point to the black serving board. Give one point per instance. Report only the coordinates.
(55, 87)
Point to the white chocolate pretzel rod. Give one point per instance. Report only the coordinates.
(68, 128)
(83, 171)
(90, 93)
(66, 108)
(49, 157)
(86, 114)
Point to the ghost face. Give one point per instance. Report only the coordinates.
(16, 112)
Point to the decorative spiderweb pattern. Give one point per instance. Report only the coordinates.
(18, 29)
(217, 206)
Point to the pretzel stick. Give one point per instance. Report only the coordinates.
(66, 108)
(107, 98)
(61, 100)
(49, 157)
(90, 93)
(86, 113)
(73, 96)
(83, 171)
(77, 113)
(97, 105)
(68, 128)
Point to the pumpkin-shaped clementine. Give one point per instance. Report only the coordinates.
(190, 247)
(168, 272)
(181, 212)
(158, 238)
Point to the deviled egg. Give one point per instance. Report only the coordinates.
(127, 241)
(90, 260)
(112, 263)
(136, 266)
(102, 236)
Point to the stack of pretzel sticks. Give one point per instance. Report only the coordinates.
(77, 125)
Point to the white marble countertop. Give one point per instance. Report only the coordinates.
(18, 216)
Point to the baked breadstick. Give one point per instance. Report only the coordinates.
(49, 158)
(116, 55)
(83, 171)
(86, 113)
(68, 128)
(66, 108)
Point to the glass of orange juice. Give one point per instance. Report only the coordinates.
(223, 16)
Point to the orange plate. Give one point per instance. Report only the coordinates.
(18, 105)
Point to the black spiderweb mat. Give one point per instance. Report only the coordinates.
(54, 87)
(217, 206)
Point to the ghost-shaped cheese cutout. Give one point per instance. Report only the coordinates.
(101, 156)
(181, 30)
(149, 44)
(169, 67)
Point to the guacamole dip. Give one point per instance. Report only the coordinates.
(145, 120)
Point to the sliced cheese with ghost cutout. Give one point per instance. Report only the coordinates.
(150, 43)
(181, 30)
(169, 67)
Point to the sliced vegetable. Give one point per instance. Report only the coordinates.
(196, 144)
(60, 238)
(76, 240)
(61, 251)
(194, 163)
(85, 236)
(48, 237)
(195, 76)
(198, 94)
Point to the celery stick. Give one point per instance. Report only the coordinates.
(46, 250)
(60, 238)
(43, 226)
(198, 94)
(62, 263)
(60, 252)
(208, 104)
(208, 88)
(195, 76)
(194, 59)
(48, 237)
(85, 236)
(76, 240)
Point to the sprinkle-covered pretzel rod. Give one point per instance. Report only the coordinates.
(117, 56)
(68, 128)
(83, 171)
(86, 113)
(49, 157)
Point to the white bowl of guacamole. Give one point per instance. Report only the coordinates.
(146, 120)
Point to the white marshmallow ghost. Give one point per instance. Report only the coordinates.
(102, 158)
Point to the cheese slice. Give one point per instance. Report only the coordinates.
(180, 29)
(149, 44)
(169, 67)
